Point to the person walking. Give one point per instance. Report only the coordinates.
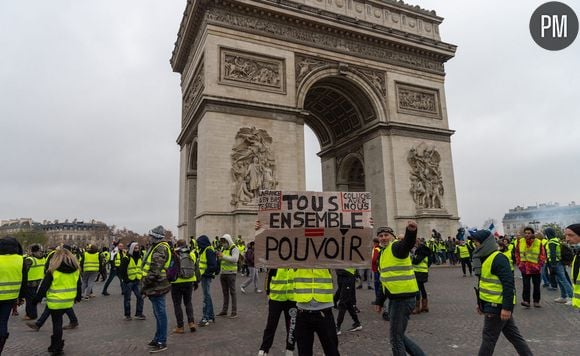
(530, 257)
(572, 234)
(400, 285)
(229, 269)
(130, 273)
(346, 299)
(61, 286)
(104, 257)
(12, 282)
(114, 262)
(34, 266)
(496, 295)
(421, 265)
(182, 288)
(155, 284)
(554, 260)
(89, 270)
(208, 267)
(280, 290)
(463, 253)
(253, 271)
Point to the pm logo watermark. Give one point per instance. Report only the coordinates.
(554, 26)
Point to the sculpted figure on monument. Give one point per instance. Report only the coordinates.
(426, 180)
(253, 165)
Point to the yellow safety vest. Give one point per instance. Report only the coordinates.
(36, 270)
(281, 285)
(90, 262)
(117, 259)
(576, 295)
(134, 269)
(422, 266)
(203, 260)
(191, 279)
(508, 254)
(351, 270)
(227, 265)
(63, 290)
(147, 262)
(490, 288)
(106, 256)
(532, 254)
(10, 276)
(312, 284)
(555, 241)
(463, 251)
(397, 275)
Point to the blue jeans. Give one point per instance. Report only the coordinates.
(207, 303)
(158, 304)
(132, 286)
(565, 286)
(399, 310)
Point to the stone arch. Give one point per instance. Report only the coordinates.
(350, 173)
(192, 158)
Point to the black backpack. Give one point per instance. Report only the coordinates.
(566, 254)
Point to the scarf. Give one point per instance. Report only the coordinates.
(487, 247)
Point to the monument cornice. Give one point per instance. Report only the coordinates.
(316, 28)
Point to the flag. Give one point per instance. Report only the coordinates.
(491, 227)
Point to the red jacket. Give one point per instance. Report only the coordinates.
(530, 267)
(374, 260)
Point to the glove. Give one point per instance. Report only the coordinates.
(195, 285)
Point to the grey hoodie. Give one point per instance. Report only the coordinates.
(234, 251)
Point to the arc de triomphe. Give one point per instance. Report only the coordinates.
(367, 76)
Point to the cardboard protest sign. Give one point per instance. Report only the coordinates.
(314, 229)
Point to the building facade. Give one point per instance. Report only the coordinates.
(519, 217)
(77, 233)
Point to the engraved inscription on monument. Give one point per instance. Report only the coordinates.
(253, 165)
(252, 71)
(426, 179)
(418, 101)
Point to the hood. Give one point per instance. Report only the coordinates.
(549, 232)
(203, 242)
(66, 268)
(132, 248)
(228, 238)
(10, 246)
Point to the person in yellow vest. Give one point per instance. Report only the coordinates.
(530, 257)
(12, 282)
(421, 265)
(61, 286)
(507, 249)
(463, 253)
(400, 286)
(229, 268)
(557, 269)
(104, 257)
(34, 266)
(115, 262)
(89, 270)
(156, 285)
(130, 273)
(496, 295)
(347, 298)
(572, 234)
(208, 267)
(242, 264)
(182, 288)
(280, 290)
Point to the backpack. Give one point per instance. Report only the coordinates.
(186, 265)
(174, 267)
(566, 254)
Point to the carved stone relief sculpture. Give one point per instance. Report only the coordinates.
(418, 101)
(253, 165)
(426, 179)
(251, 71)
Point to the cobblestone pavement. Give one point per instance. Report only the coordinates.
(450, 328)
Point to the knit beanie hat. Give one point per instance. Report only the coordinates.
(157, 233)
(575, 228)
(481, 235)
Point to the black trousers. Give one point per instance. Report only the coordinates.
(275, 309)
(46, 313)
(56, 316)
(464, 262)
(536, 279)
(179, 292)
(31, 308)
(493, 326)
(320, 322)
(422, 293)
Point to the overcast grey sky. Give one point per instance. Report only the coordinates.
(90, 110)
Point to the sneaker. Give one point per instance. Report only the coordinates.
(222, 313)
(338, 332)
(525, 304)
(152, 343)
(262, 353)
(33, 326)
(561, 300)
(243, 290)
(569, 302)
(233, 315)
(258, 291)
(537, 305)
(355, 327)
(203, 323)
(158, 348)
(127, 318)
(140, 317)
(70, 326)
(92, 295)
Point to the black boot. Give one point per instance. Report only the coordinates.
(2, 342)
(56, 346)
